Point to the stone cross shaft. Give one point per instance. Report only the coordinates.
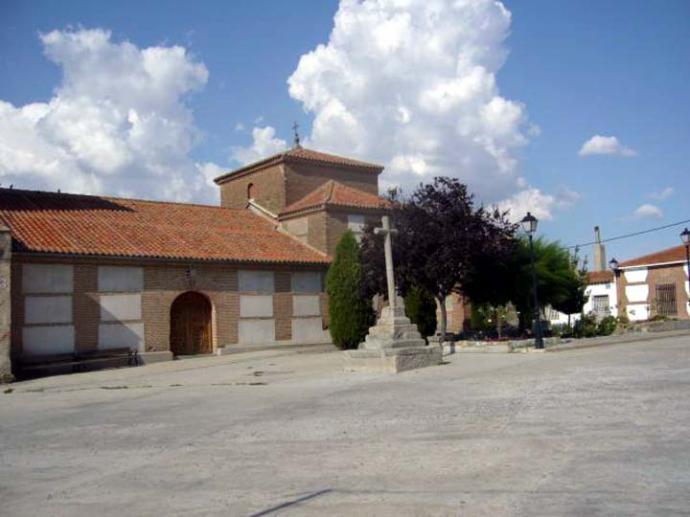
(388, 232)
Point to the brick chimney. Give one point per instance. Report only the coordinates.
(599, 252)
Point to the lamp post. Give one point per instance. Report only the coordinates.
(613, 266)
(529, 225)
(685, 237)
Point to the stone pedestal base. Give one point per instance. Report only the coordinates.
(393, 345)
(392, 360)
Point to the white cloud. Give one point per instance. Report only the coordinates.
(648, 211)
(566, 198)
(265, 143)
(413, 85)
(117, 123)
(662, 194)
(599, 144)
(533, 200)
(210, 171)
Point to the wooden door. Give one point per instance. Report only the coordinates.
(190, 325)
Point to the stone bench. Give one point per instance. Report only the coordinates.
(36, 366)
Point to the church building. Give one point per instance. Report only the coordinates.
(82, 275)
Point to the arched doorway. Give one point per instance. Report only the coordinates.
(190, 324)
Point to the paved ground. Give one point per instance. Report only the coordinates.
(601, 431)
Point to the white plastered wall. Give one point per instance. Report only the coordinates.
(307, 321)
(636, 294)
(120, 290)
(48, 326)
(609, 290)
(257, 323)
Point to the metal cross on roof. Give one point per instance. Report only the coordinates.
(295, 128)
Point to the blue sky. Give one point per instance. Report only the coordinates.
(575, 69)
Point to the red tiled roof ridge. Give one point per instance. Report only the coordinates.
(672, 254)
(599, 277)
(331, 186)
(116, 198)
(327, 194)
(301, 153)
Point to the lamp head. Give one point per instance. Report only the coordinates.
(529, 223)
(685, 236)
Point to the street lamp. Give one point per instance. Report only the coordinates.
(685, 237)
(613, 265)
(529, 225)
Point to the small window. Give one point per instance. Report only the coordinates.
(251, 191)
(600, 306)
(666, 300)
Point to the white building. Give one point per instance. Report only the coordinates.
(602, 299)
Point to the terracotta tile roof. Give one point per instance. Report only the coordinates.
(297, 154)
(92, 225)
(675, 254)
(333, 193)
(600, 277)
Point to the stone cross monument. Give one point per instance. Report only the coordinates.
(394, 344)
(388, 232)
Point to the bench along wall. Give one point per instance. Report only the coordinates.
(79, 306)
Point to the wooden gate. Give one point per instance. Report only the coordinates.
(190, 325)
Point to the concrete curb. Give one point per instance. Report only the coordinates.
(615, 340)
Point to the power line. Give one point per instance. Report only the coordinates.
(635, 234)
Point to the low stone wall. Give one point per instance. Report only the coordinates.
(476, 346)
(658, 326)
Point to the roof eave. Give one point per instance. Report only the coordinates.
(326, 206)
(651, 264)
(252, 167)
(165, 259)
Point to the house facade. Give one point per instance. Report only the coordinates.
(602, 299)
(654, 285)
(89, 273)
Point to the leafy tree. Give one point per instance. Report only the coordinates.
(507, 277)
(441, 238)
(555, 277)
(575, 299)
(420, 307)
(349, 309)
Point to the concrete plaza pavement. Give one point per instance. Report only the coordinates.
(599, 431)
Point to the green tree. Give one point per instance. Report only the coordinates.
(556, 277)
(349, 309)
(575, 299)
(507, 277)
(420, 307)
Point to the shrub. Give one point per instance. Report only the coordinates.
(586, 326)
(607, 326)
(420, 307)
(658, 317)
(350, 312)
(561, 330)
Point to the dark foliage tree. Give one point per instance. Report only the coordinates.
(349, 308)
(420, 307)
(506, 277)
(442, 237)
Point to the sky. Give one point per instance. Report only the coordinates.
(576, 110)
